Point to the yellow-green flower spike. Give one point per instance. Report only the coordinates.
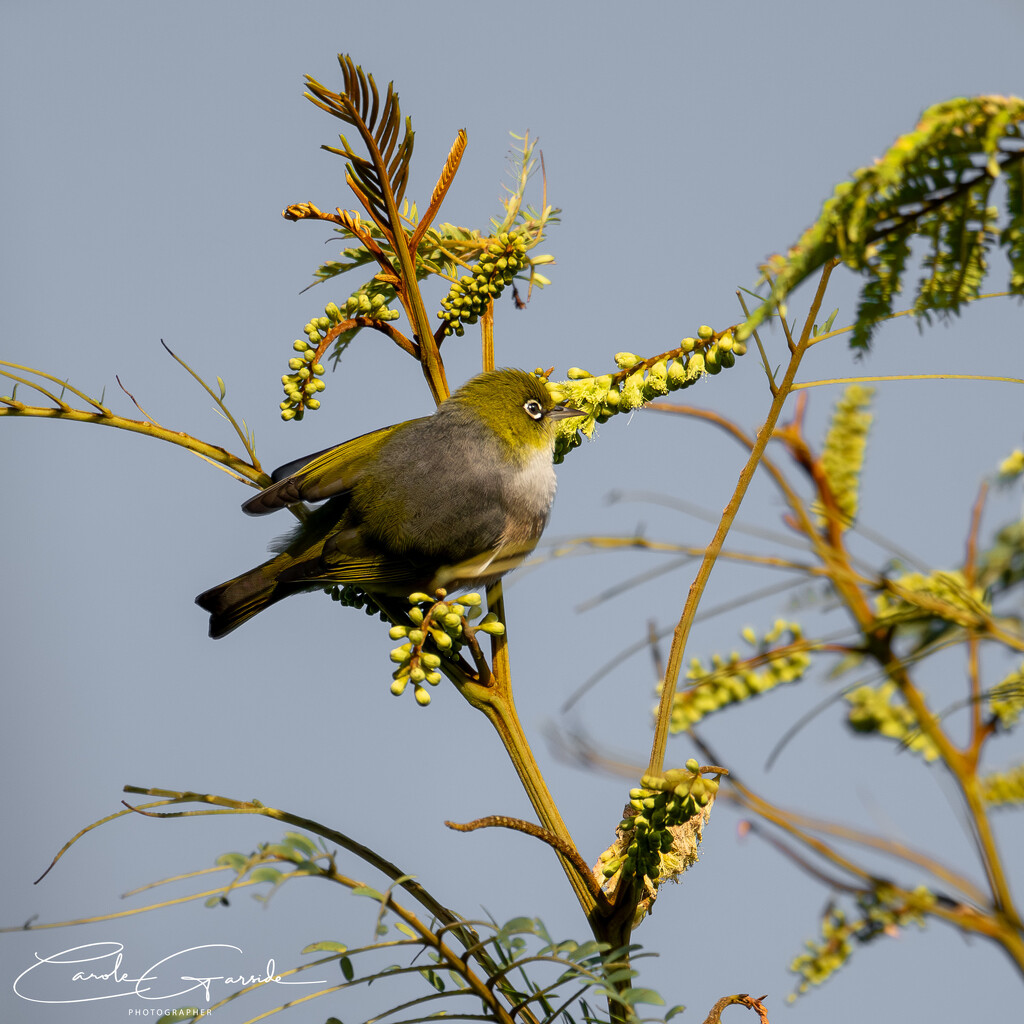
(500, 262)
(728, 681)
(437, 633)
(1012, 466)
(638, 381)
(1004, 788)
(843, 454)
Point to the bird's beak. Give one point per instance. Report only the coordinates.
(564, 412)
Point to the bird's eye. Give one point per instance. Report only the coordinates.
(534, 409)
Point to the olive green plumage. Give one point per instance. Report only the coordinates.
(450, 500)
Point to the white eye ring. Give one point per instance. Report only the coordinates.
(534, 409)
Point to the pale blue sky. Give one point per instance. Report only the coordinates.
(148, 151)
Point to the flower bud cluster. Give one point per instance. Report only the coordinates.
(437, 629)
(304, 383)
(498, 265)
(1006, 699)
(653, 844)
(730, 680)
(875, 709)
(882, 912)
(639, 381)
(842, 457)
(1004, 787)
(944, 595)
(350, 596)
(1012, 466)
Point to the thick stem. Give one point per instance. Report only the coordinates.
(496, 703)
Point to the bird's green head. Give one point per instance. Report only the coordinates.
(516, 408)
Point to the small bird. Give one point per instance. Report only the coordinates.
(452, 500)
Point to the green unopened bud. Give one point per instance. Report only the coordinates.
(433, 678)
(441, 639)
(470, 599)
(704, 332)
(401, 654)
(676, 373)
(288, 414)
(693, 765)
(300, 345)
(398, 632)
(399, 685)
(417, 636)
(575, 373)
(332, 311)
(294, 363)
(430, 660)
(624, 360)
(422, 696)
(419, 598)
(313, 404)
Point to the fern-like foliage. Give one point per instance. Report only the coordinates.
(935, 184)
(382, 177)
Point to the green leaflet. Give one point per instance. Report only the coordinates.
(933, 184)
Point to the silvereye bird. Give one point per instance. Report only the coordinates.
(452, 500)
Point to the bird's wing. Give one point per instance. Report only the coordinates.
(376, 572)
(321, 475)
